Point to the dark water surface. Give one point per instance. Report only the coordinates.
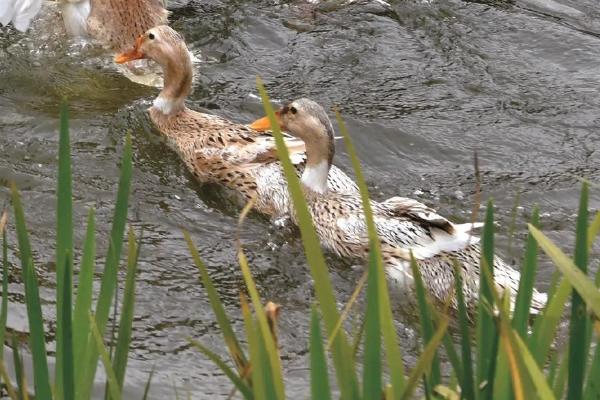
(421, 85)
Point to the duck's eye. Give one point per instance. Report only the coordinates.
(151, 36)
(293, 110)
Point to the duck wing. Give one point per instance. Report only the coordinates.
(413, 225)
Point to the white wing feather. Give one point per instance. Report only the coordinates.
(19, 12)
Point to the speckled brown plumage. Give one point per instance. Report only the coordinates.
(220, 151)
(403, 225)
(119, 22)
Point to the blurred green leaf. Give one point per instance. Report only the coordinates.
(319, 377)
(487, 340)
(579, 321)
(109, 275)
(372, 348)
(235, 350)
(127, 309)
(525, 292)
(582, 283)
(233, 377)
(37, 339)
(341, 350)
(424, 361)
(4, 307)
(83, 301)
(466, 381)
(113, 385)
(426, 322)
(64, 236)
(68, 369)
(386, 319)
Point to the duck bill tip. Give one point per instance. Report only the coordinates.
(134, 54)
(264, 123)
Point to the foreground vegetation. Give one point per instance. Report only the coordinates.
(508, 358)
(503, 355)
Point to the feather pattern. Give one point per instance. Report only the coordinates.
(403, 225)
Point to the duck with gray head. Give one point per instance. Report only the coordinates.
(403, 224)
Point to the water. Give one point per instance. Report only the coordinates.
(422, 85)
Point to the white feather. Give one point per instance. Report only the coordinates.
(75, 14)
(6, 12)
(315, 177)
(20, 12)
(167, 106)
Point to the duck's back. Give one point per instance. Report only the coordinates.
(220, 151)
(119, 22)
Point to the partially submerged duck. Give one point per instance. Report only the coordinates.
(403, 224)
(213, 148)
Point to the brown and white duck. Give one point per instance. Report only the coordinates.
(213, 148)
(403, 224)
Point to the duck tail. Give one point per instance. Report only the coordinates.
(75, 14)
(468, 227)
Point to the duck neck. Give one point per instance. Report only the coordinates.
(177, 86)
(318, 162)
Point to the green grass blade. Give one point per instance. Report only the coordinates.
(424, 361)
(64, 235)
(545, 326)
(341, 350)
(467, 384)
(592, 388)
(390, 339)
(4, 307)
(561, 378)
(37, 340)
(127, 308)
(256, 366)
(233, 377)
(83, 301)
(486, 329)
(264, 359)
(109, 275)
(113, 385)
(235, 350)
(580, 282)
(18, 365)
(578, 323)
(272, 370)
(425, 317)
(68, 369)
(593, 230)
(524, 295)
(372, 348)
(319, 378)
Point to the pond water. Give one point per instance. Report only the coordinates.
(422, 85)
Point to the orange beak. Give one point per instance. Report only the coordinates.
(131, 55)
(264, 124)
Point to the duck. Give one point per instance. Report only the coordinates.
(213, 148)
(404, 225)
(114, 23)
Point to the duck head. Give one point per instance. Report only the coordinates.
(165, 46)
(308, 121)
